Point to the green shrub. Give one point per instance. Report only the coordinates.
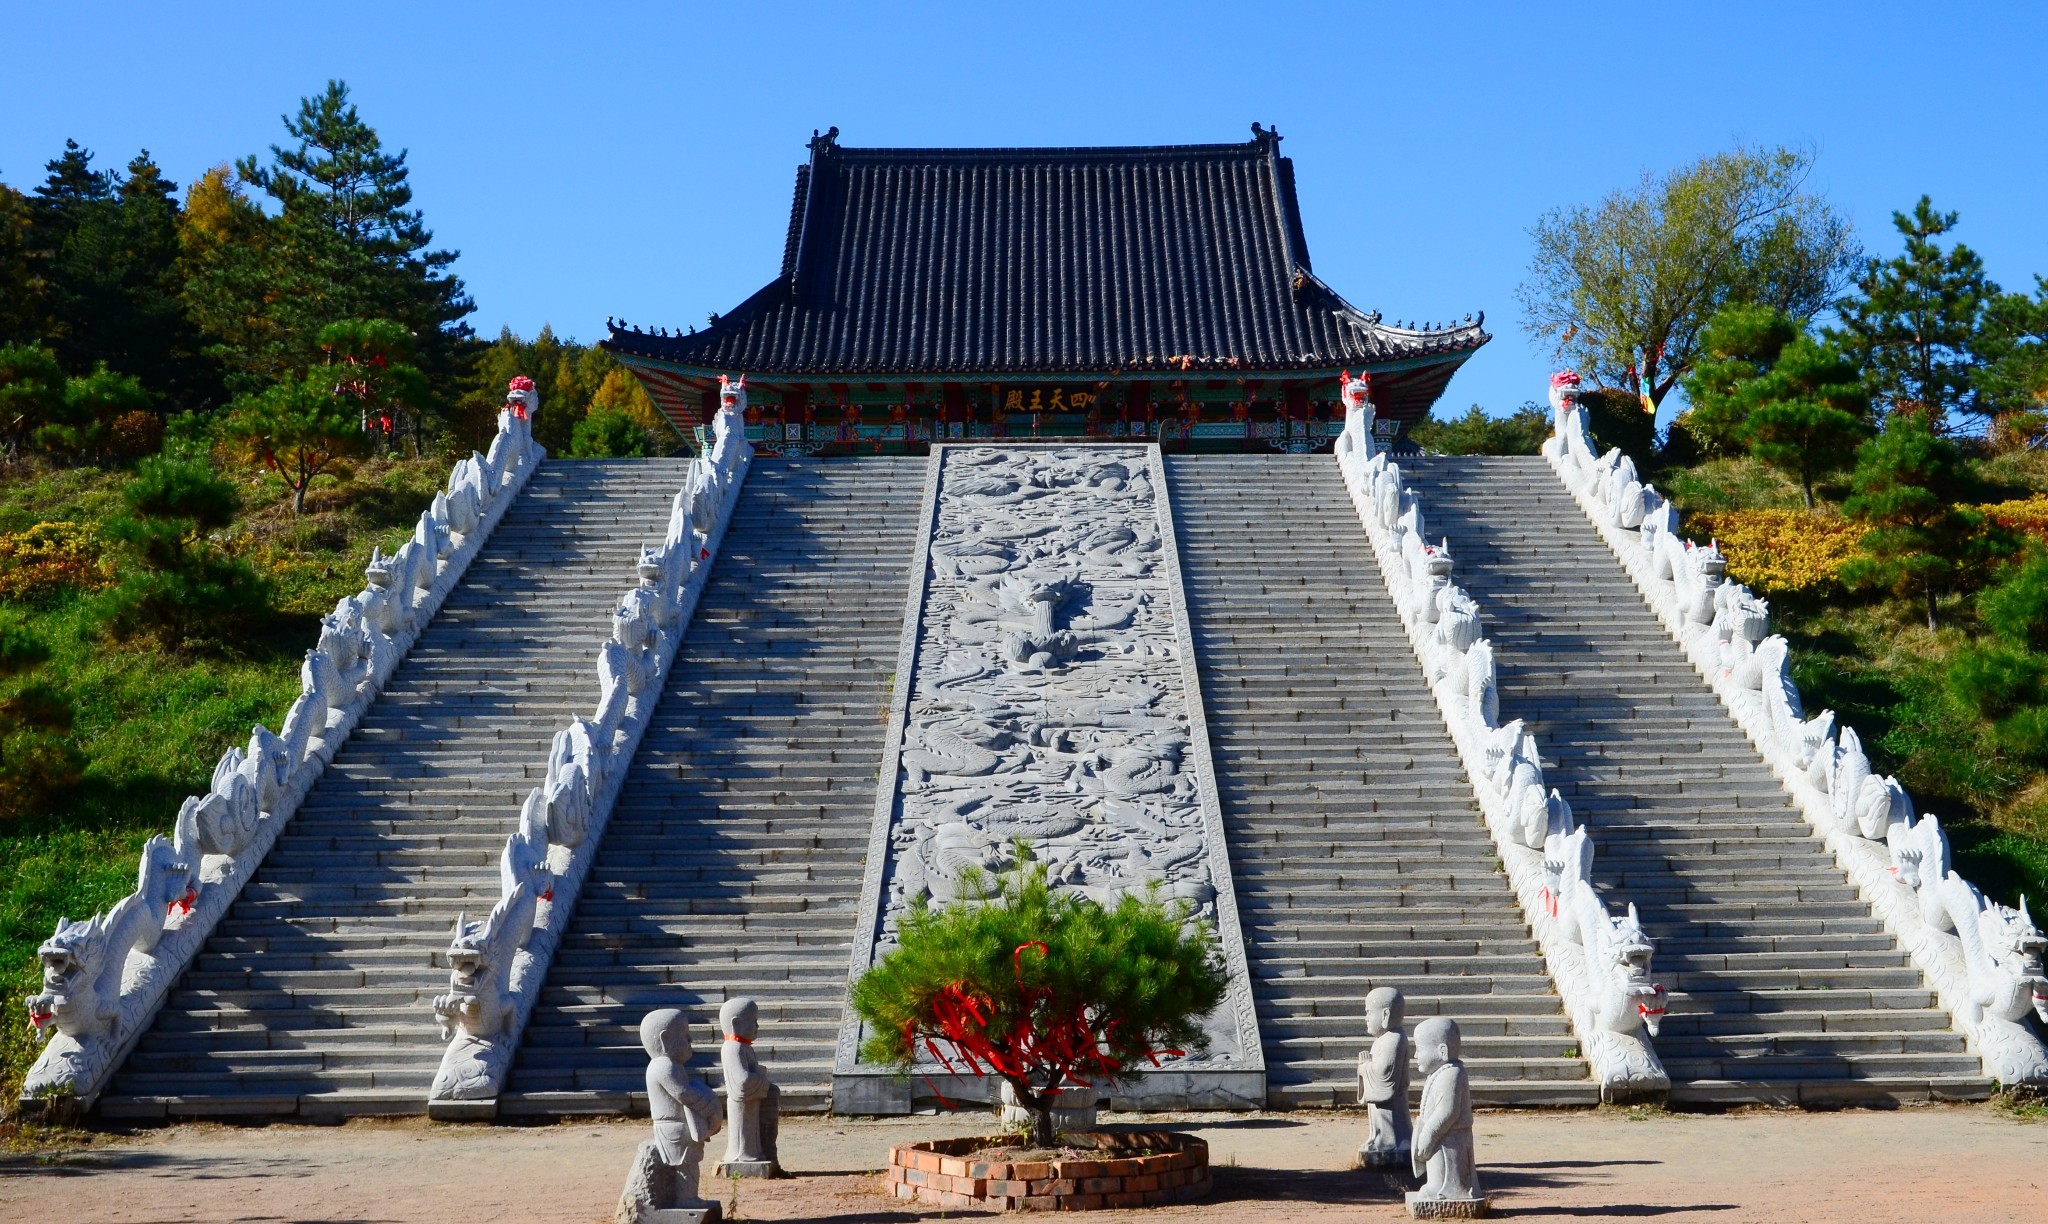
(1476, 433)
(81, 424)
(1996, 679)
(1044, 989)
(38, 761)
(607, 433)
(2016, 609)
(1616, 418)
(182, 589)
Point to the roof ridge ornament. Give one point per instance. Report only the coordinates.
(830, 140)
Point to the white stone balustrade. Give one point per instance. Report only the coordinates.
(1984, 959)
(104, 978)
(1601, 964)
(497, 964)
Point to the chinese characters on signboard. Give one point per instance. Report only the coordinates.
(1039, 399)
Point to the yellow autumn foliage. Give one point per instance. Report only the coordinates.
(2027, 514)
(51, 557)
(1780, 551)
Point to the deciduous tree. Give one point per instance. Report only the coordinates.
(1624, 288)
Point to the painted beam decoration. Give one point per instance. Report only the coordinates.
(1052, 699)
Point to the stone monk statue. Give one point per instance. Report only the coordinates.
(662, 1187)
(752, 1104)
(1383, 1081)
(1443, 1129)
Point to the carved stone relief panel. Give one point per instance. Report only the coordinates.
(1053, 700)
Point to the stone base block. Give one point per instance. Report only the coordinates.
(1447, 1209)
(747, 1168)
(680, 1215)
(463, 1111)
(1384, 1158)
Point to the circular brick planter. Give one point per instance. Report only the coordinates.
(939, 1173)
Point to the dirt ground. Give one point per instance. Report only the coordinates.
(1972, 1163)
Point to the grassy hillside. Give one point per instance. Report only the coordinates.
(1872, 659)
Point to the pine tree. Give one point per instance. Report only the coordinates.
(346, 244)
(1912, 322)
(2012, 379)
(1768, 387)
(298, 429)
(107, 254)
(1911, 491)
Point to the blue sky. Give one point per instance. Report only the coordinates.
(637, 159)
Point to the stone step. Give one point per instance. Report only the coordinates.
(311, 994)
(1785, 990)
(1359, 856)
(732, 864)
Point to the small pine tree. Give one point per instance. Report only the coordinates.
(1041, 988)
(180, 587)
(1911, 487)
(2006, 678)
(298, 429)
(82, 426)
(31, 392)
(1768, 387)
(370, 362)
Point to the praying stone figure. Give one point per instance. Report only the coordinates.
(752, 1104)
(662, 1188)
(1443, 1129)
(1383, 1081)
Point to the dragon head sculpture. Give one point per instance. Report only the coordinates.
(1564, 389)
(2016, 947)
(521, 400)
(732, 394)
(1628, 952)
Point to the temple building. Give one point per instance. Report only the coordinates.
(1161, 292)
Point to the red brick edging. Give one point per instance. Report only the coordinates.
(937, 1172)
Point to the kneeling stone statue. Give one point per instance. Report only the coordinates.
(753, 1106)
(1443, 1129)
(1383, 1082)
(662, 1188)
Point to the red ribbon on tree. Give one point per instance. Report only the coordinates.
(1061, 1039)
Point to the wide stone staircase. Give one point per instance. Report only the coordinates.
(312, 994)
(732, 864)
(1360, 856)
(1784, 988)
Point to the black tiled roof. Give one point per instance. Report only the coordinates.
(1023, 261)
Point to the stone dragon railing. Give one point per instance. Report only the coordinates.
(105, 977)
(1601, 964)
(497, 963)
(1983, 958)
